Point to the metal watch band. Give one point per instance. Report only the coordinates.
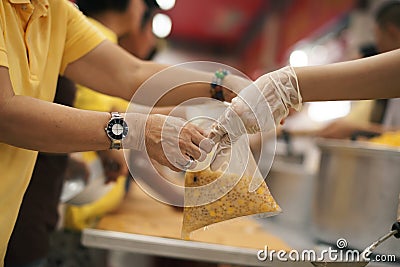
(115, 115)
(115, 144)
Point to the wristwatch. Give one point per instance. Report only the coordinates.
(116, 130)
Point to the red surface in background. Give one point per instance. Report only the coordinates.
(226, 23)
(213, 21)
(305, 17)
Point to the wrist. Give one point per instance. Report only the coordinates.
(281, 89)
(288, 87)
(116, 129)
(216, 87)
(234, 85)
(137, 124)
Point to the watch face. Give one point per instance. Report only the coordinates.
(117, 129)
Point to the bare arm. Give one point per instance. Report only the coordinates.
(111, 70)
(35, 124)
(370, 78)
(39, 125)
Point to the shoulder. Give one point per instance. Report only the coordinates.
(62, 7)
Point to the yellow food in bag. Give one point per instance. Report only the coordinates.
(237, 202)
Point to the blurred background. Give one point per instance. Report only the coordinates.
(329, 177)
(259, 36)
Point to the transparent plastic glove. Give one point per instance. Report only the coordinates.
(169, 140)
(275, 91)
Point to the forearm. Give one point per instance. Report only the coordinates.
(369, 78)
(171, 86)
(178, 84)
(111, 70)
(50, 127)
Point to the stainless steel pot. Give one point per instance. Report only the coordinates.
(356, 194)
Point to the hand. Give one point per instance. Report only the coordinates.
(338, 129)
(175, 144)
(114, 164)
(343, 129)
(169, 140)
(76, 169)
(276, 91)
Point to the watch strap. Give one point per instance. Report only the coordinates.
(115, 144)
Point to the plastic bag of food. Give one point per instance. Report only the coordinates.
(240, 190)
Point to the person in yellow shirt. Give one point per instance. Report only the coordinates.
(38, 215)
(44, 38)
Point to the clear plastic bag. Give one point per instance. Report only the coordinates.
(212, 197)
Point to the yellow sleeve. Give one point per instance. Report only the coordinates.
(361, 112)
(81, 37)
(91, 100)
(80, 217)
(3, 50)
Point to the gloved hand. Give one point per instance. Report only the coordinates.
(273, 92)
(169, 140)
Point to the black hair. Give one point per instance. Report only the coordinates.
(368, 50)
(152, 4)
(92, 7)
(388, 13)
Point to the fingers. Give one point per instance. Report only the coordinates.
(199, 138)
(186, 162)
(177, 144)
(195, 136)
(221, 157)
(200, 144)
(206, 145)
(189, 149)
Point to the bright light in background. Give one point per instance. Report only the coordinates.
(162, 25)
(298, 58)
(324, 111)
(318, 55)
(166, 4)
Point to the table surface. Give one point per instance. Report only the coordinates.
(144, 225)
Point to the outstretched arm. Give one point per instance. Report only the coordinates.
(35, 124)
(369, 78)
(111, 70)
(40, 125)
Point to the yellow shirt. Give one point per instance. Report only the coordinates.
(39, 38)
(88, 99)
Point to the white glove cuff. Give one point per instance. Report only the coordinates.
(289, 89)
(282, 92)
(136, 123)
